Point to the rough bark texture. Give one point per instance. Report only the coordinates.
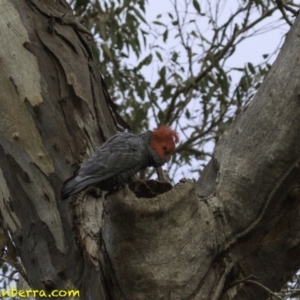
(236, 228)
(54, 112)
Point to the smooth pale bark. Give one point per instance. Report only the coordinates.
(54, 112)
(204, 240)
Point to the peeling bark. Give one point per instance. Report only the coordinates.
(214, 239)
(54, 112)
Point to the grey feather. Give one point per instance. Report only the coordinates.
(114, 163)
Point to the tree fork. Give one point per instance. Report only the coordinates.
(196, 241)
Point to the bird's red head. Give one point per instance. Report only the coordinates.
(163, 142)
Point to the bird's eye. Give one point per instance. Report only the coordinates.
(165, 148)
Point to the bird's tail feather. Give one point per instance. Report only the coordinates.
(75, 184)
(71, 186)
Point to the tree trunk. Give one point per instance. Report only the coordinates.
(54, 112)
(232, 235)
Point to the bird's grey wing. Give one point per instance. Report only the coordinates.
(118, 154)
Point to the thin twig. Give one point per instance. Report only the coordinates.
(249, 279)
(220, 284)
(283, 12)
(217, 57)
(265, 288)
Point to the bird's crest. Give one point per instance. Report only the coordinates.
(165, 133)
(163, 141)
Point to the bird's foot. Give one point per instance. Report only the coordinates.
(162, 175)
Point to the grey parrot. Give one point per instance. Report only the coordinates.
(123, 155)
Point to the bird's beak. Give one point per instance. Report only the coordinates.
(168, 157)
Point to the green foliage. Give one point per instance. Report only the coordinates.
(197, 6)
(179, 68)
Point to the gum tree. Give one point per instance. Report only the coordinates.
(232, 234)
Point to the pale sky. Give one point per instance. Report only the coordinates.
(254, 47)
(251, 49)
